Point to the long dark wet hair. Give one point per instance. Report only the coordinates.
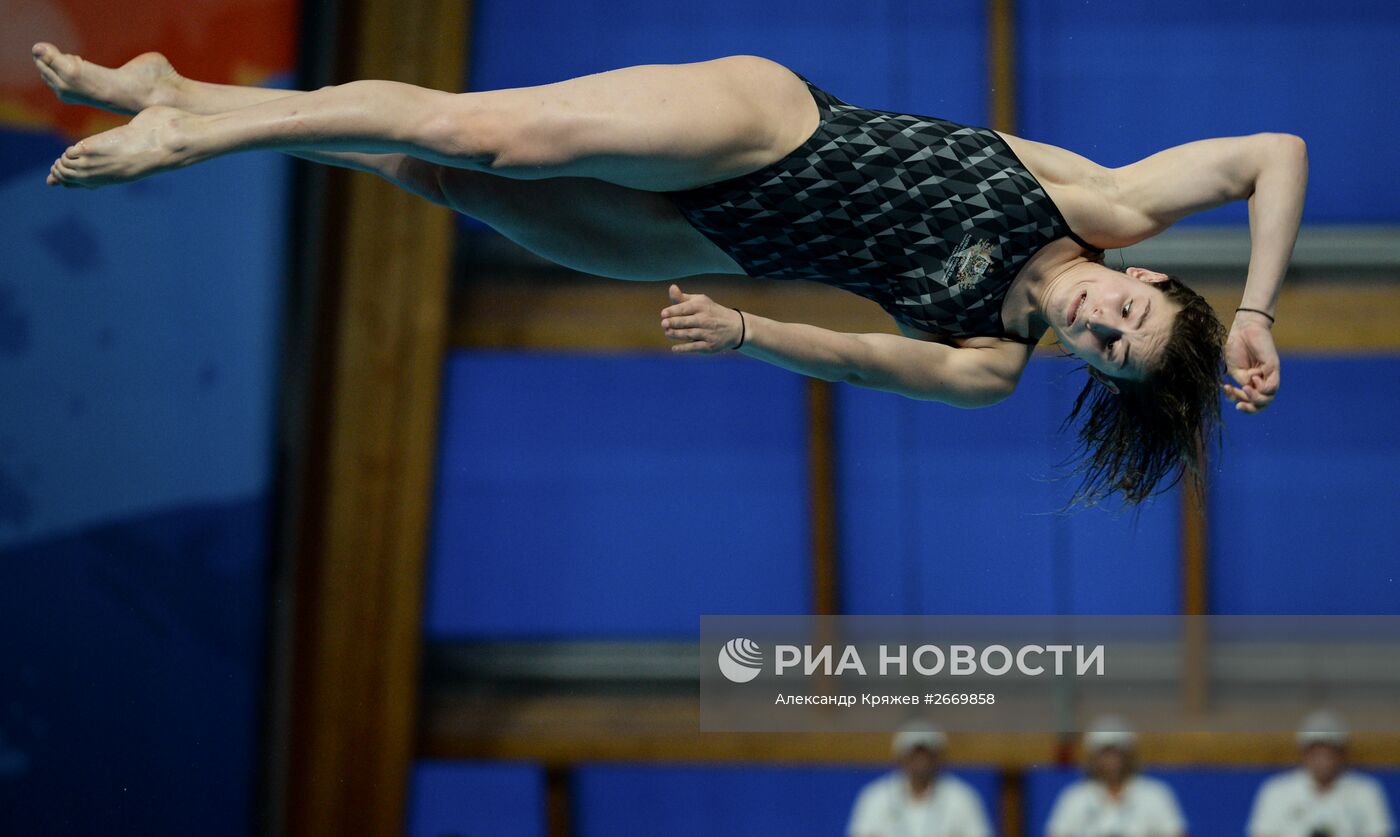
(1142, 439)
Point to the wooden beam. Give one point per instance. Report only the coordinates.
(573, 311)
(1324, 315)
(565, 731)
(360, 468)
(505, 309)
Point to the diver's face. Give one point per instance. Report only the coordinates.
(1118, 323)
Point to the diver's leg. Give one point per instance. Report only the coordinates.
(589, 225)
(582, 223)
(149, 80)
(656, 127)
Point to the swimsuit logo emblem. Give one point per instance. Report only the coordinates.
(969, 262)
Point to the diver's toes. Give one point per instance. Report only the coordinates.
(52, 81)
(66, 68)
(51, 58)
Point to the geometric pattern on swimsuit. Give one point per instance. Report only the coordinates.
(930, 219)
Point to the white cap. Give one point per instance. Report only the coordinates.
(923, 735)
(1322, 727)
(1109, 731)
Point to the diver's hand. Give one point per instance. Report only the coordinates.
(1252, 360)
(699, 323)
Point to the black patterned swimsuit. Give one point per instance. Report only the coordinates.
(928, 218)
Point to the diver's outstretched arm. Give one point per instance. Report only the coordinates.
(968, 376)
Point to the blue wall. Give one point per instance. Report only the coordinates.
(890, 54)
(476, 799)
(616, 496)
(1303, 503)
(957, 511)
(1116, 80)
(626, 495)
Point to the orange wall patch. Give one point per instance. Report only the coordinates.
(224, 41)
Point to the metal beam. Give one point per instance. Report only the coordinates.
(1325, 248)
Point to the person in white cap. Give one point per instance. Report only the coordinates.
(1321, 798)
(918, 799)
(1114, 800)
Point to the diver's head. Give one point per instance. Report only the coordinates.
(1153, 349)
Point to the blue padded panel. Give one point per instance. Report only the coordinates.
(1215, 800)
(640, 801)
(1042, 787)
(1390, 783)
(616, 495)
(954, 511)
(892, 55)
(1304, 496)
(1119, 81)
(161, 616)
(476, 799)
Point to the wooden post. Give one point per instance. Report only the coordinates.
(358, 474)
(1194, 566)
(1195, 577)
(1001, 64)
(821, 464)
(1013, 802)
(559, 801)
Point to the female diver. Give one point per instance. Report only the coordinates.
(977, 243)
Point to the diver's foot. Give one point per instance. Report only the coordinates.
(157, 140)
(145, 81)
